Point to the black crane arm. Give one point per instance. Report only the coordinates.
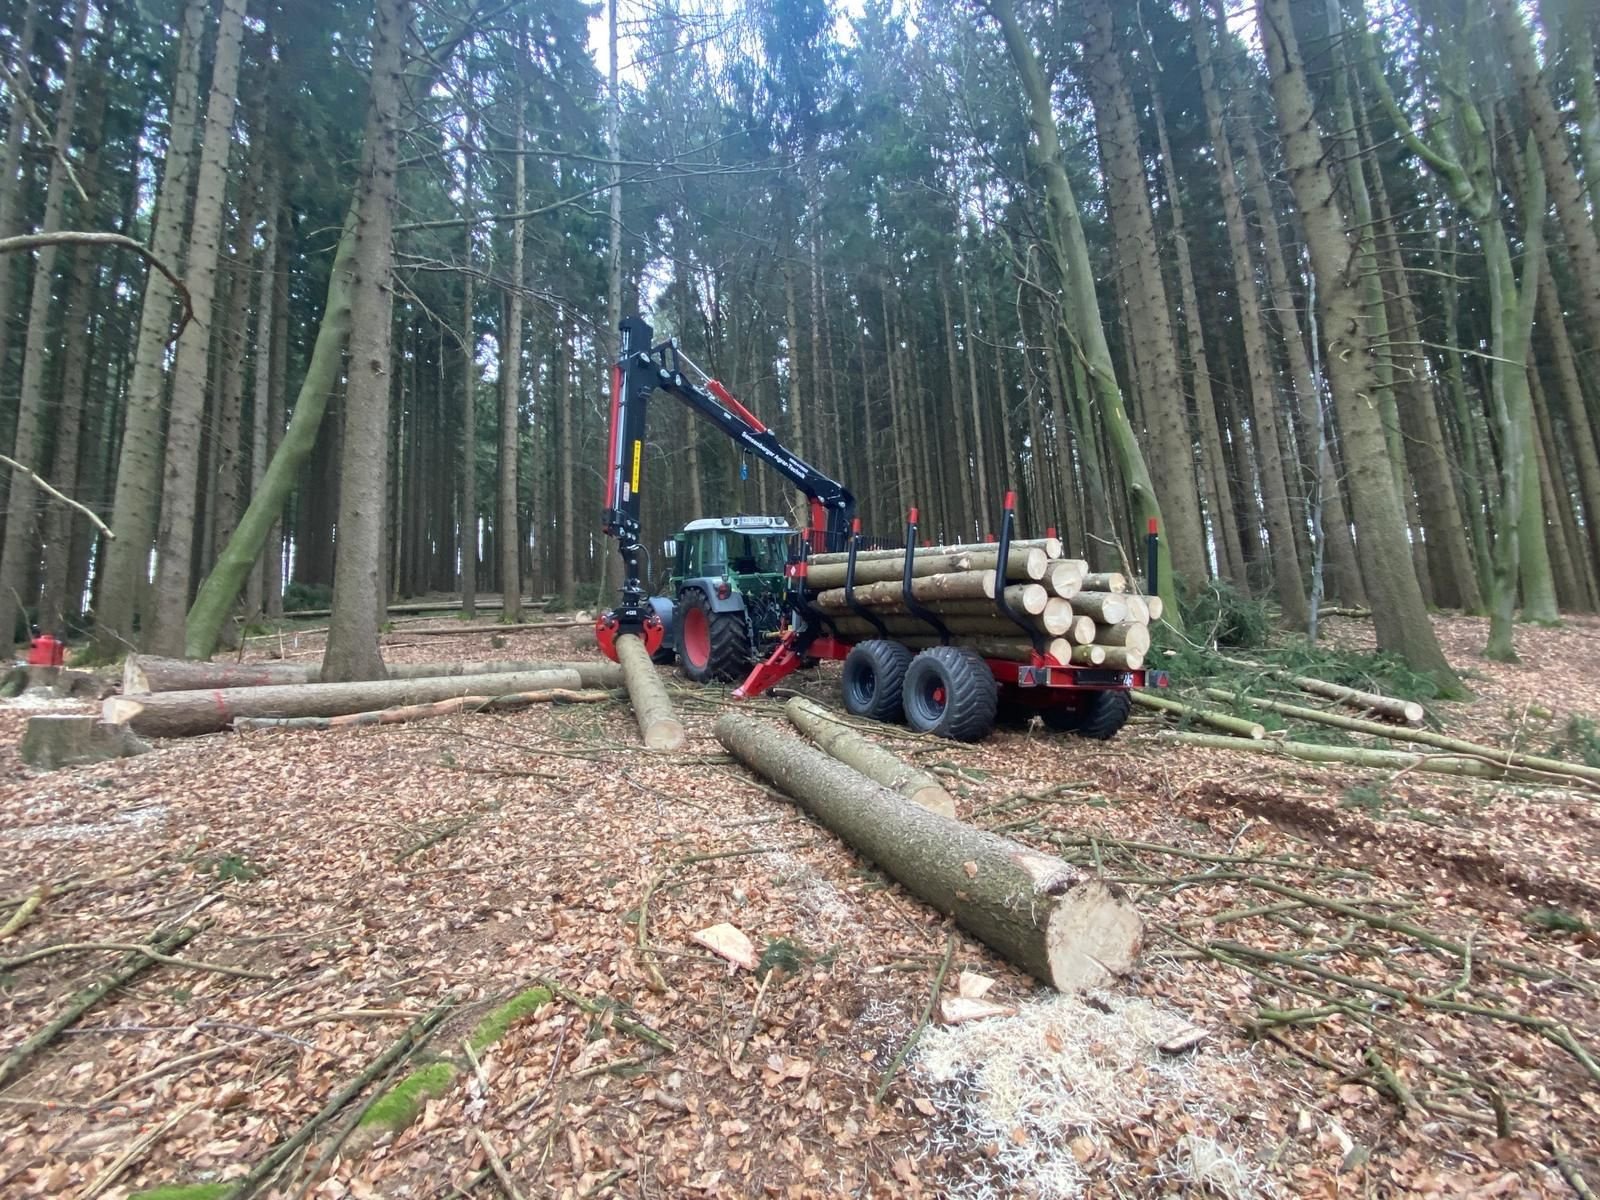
(642, 369)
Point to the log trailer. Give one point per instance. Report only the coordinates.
(944, 689)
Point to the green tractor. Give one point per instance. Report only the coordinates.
(724, 600)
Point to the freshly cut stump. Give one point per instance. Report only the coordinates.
(1061, 925)
(185, 714)
(658, 724)
(866, 756)
(55, 741)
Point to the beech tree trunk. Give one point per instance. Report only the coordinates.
(1065, 928)
(187, 714)
(352, 651)
(1399, 614)
(143, 673)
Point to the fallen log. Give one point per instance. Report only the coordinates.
(420, 712)
(185, 714)
(1064, 927)
(871, 759)
(1234, 725)
(1361, 756)
(1423, 737)
(658, 724)
(486, 603)
(465, 628)
(142, 674)
(1395, 709)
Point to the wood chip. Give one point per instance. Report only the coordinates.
(727, 942)
(958, 1010)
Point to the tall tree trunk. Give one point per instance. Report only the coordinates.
(965, 517)
(1151, 321)
(568, 570)
(1218, 493)
(11, 186)
(266, 267)
(611, 563)
(61, 603)
(353, 651)
(1555, 152)
(1289, 585)
(181, 470)
(228, 440)
(1088, 334)
(796, 396)
(975, 409)
(277, 389)
(19, 558)
(1343, 574)
(1399, 614)
(1563, 363)
(510, 542)
(468, 523)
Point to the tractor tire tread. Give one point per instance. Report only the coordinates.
(888, 662)
(971, 697)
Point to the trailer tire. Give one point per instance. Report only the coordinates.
(1102, 716)
(874, 672)
(713, 647)
(950, 691)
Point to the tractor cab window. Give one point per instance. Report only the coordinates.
(727, 552)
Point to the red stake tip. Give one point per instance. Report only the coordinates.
(1011, 501)
(912, 516)
(1152, 525)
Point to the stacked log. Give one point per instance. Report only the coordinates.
(1079, 617)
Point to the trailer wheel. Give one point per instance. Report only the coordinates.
(950, 691)
(873, 674)
(1101, 717)
(713, 647)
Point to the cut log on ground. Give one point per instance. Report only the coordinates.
(658, 724)
(1395, 709)
(53, 741)
(143, 674)
(1237, 726)
(421, 712)
(1065, 928)
(185, 714)
(866, 756)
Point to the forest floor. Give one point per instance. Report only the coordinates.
(1396, 975)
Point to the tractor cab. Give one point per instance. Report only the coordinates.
(727, 589)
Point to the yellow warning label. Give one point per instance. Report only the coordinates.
(637, 447)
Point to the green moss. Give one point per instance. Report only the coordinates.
(185, 1191)
(399, 1106)
(493, 1027)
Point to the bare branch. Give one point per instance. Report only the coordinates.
(65, 499)
(69, 237)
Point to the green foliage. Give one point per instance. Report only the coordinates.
(1556, 920)
(781, 954)
(399, 1106)
(1369, 799)
(1221, 615)
(298, 596)
(493, 1027)
(231, 868)
(1580, 741)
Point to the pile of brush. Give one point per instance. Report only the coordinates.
(1067, 612)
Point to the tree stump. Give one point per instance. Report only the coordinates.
(51, 741)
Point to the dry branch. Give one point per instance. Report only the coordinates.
(1065, 928)
(69, 237)
(1395, 709)
(45, 486)
(82, 1001)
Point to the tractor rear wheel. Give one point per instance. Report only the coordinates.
(950, 691)
(873, 674)
(713, 647)
(1101, 716)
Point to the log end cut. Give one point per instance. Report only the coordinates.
(1094, 935)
